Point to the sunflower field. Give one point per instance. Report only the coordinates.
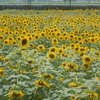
(50, 54)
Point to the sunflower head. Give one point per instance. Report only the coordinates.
(51, 55)
(87, 59)
(41, 48)
(24, 42)
(86, 66)
(15, 94)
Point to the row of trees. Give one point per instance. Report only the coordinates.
(29, 1)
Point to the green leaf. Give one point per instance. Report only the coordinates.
(1, 91)
(24, 76)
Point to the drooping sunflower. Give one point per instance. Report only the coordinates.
(15, 94)
(87, 59)
(41, 48)
(51, 55)
(73, 84)
(93, 95)
(41, 83)
(47, 76)
(73, 98)
(24, 42)
(1, 72)
(70, 66)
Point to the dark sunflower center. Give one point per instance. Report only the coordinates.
(24, 41)
(71, 66)
(1, 73)
(41, 83)
(40, 47)
(86, 66)
(55, 41)
(76, 48)
(87, 59)
(92, 40)
(6, 41)
(52, 49)
(47, 76)
(42, 34)
(60, 51)
(51, 56)
(36, 37)
(16, 94)
(1, 37)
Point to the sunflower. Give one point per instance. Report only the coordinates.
(65, 34)
(85, 40)
(72, 45)
(49, 37)
(61, 38)
(77, 48)
(40, 83)
(86, 66)
(63, 55)
(31, 45)
(92, 40)
(47, 76)
(82, 53)
(73, 98)
(98, 78)
(58, 34)
(64, 46)
(87, 59)
(14, 42)
(36, 36)
(18, 38)
(54, 41)
(1, 37)
(93, 95)
(24, 42)
(43, 34)
(15, 94)
(60, 50)
(70, 66)
(52, 49)
(98, 87)
(80, 42)
(41, 48)
(73, 84)
(1, 72)
(51, 55)
(65, 37)
(6, 42)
